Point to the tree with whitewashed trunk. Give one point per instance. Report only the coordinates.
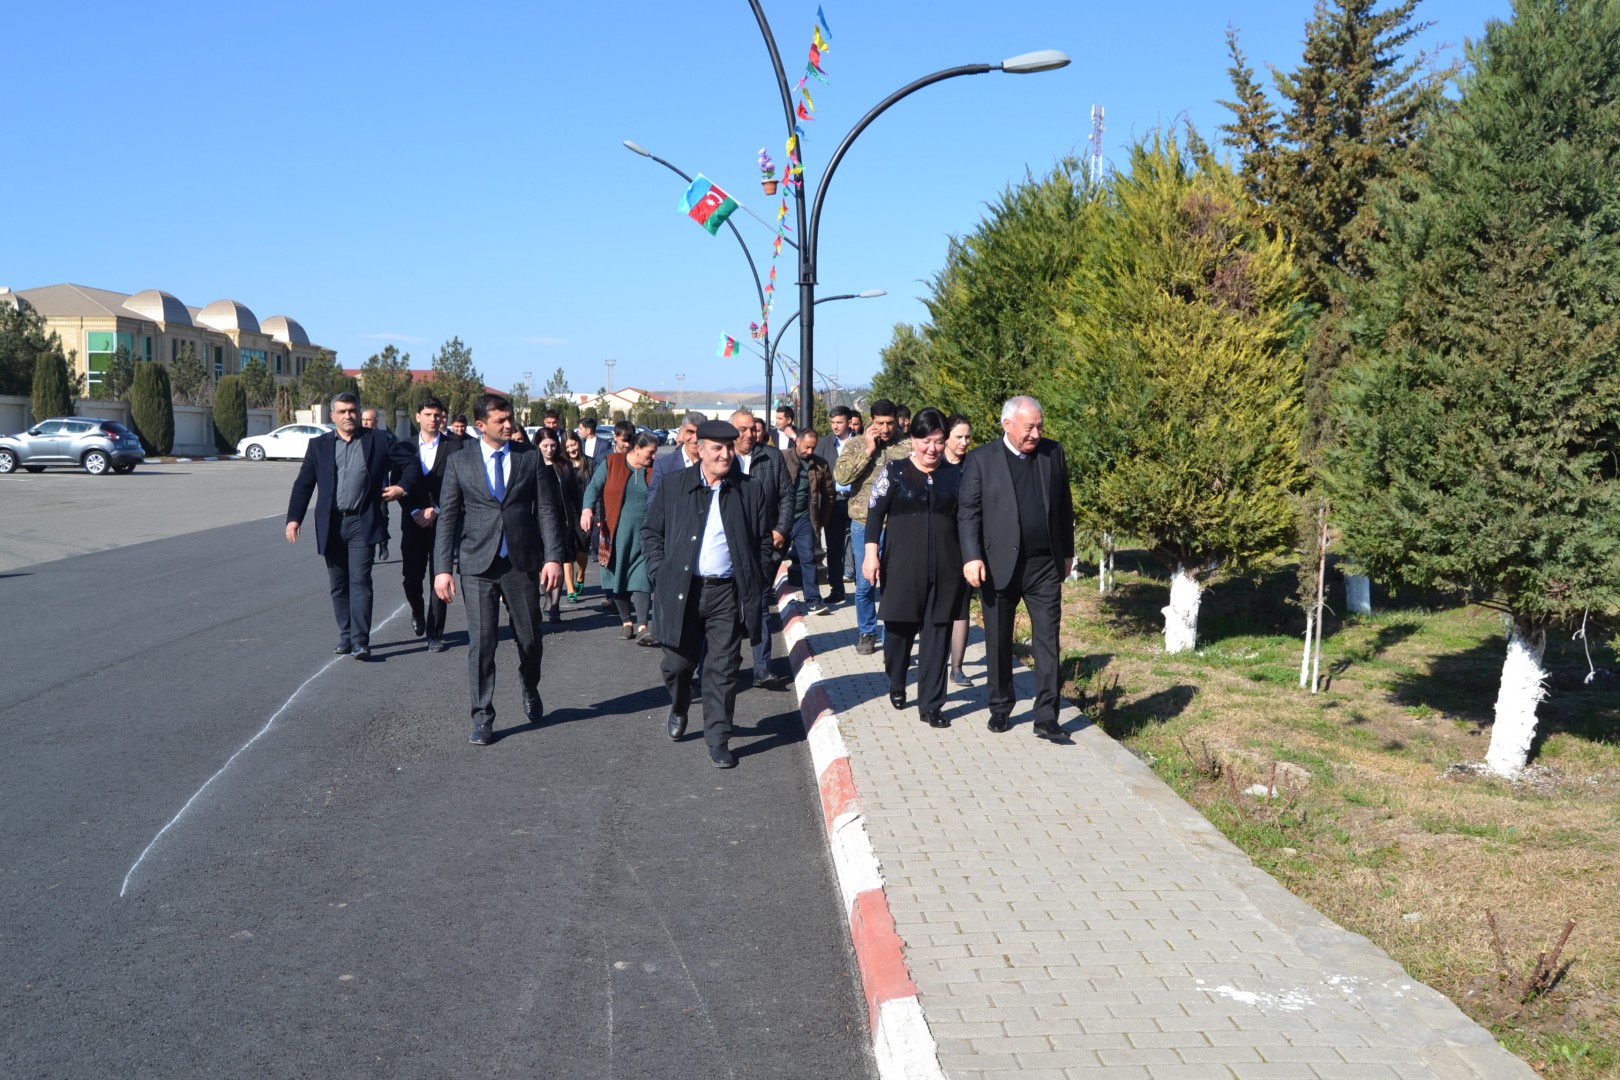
(1178, 401)
(1481, 409)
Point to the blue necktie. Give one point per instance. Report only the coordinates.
(498, 488)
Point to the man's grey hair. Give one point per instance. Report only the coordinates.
(693, 419)
(369, 410)
(347, 397)
(1018, 404)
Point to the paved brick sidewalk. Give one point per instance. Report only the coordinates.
(1064, 914)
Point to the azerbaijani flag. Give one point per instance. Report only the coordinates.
(707, 205)
(728, 344)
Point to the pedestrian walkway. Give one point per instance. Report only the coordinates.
(1058, 912)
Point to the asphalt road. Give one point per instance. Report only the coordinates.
(227, 854)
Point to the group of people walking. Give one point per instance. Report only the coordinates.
(689, 544)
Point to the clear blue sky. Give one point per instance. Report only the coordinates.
(412, 172)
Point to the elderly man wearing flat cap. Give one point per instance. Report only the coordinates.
(707, 541)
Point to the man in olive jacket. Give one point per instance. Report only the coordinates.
(707, 542)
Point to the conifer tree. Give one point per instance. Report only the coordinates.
(151, 408)
(51, 395)
(189, 377)
(904, 358)
(1482, 409)
(230, 413)
(994, 307)
(385, 382)
(258, 384)
(1179, 397)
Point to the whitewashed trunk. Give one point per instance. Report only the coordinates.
(1358, 594)
(1181, 617)
(1523, 688)
(1305, 657)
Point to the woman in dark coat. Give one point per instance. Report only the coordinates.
(913, 507)
(569, 485)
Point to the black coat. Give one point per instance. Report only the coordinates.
(428, 484)
(673, 533)
(988, 515)
(915, 512)
(385, 458)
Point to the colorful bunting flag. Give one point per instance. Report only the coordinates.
(803, 114)
(707, 205)
(822, 19)
(728, 345)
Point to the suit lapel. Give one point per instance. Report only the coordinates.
(1043, 463)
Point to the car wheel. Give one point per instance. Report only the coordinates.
(255, 452)
(8, 460)
(96, 462)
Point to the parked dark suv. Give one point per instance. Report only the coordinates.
(82, 441)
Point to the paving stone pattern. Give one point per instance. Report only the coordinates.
(1065, 914)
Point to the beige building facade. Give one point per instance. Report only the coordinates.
(154, 326)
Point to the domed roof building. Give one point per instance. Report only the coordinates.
(285, 330)
(160, 307)
(228, 315)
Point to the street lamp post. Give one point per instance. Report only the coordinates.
(770, 354)
(809, 225)
(759, 288)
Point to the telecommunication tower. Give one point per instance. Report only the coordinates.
(1096, 144)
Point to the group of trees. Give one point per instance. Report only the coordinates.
(1394, 311)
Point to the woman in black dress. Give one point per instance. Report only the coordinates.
(551, 453)
(913, 507)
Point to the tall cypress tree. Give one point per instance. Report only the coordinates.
(1178, 398)
(151, 408)
(51, 394)
(1483, 407)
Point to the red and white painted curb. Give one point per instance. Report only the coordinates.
(901, 1042)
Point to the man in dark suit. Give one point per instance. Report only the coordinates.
(433, 446)
(1015, 519)
(507, 510)
(685, 455)
(757, 458)
(707, 539)
(351, 467)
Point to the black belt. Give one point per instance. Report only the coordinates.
(701, 580)
(350, 513)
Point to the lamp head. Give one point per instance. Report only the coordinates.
(637, 148)
(869, 293)
(1029, 63)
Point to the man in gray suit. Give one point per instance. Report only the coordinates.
(507, 511)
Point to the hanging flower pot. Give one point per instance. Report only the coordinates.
(769, 186)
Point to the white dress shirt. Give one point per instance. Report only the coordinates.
(714, 556)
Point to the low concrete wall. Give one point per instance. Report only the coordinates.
(103, 410)
(16, 414)
(194, 431)
(261, 421)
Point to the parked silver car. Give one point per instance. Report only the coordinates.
(95, 445)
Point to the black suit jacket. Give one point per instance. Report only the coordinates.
(529, 517)
(430, 483)
(672, 536)
(385, 459)
(987, 508)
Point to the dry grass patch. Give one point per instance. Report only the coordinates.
(1378, 821)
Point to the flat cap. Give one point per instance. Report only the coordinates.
(716, 429)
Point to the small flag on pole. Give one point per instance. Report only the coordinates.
(707, 205)
(728, 346)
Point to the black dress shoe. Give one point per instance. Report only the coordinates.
(677, 724)
(343, 649)
(533, 707)
(418, 627)
(482, 736)
(999, 722)
(897, 698)
(435, 644)
(721, 757)
(363, 653)
(935, 718)
(1051, 733)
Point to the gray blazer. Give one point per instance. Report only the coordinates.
(529, 517)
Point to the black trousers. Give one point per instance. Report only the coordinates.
(416, 558)
(713, 623)
(933, 655)
(835, 537)
(348, 574)
(484, 593)
(1037, 581)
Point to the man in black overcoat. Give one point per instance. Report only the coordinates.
(707, 542)
(433, 446)
(1015, 519)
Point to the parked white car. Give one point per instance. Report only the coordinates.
(287, 441)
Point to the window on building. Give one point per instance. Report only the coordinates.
(99, 349)
(219, 361)
(260, 356)
(146, 350)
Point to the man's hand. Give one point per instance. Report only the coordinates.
(444, 587)
(777, 540)
(292, 532)
(871, 568)
(974, 572)
(550, 576)
(585, 521)
(425, 517)
(873, 448)
(392, 492)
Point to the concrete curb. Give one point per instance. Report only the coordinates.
(189, 460)
(901, 1041)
